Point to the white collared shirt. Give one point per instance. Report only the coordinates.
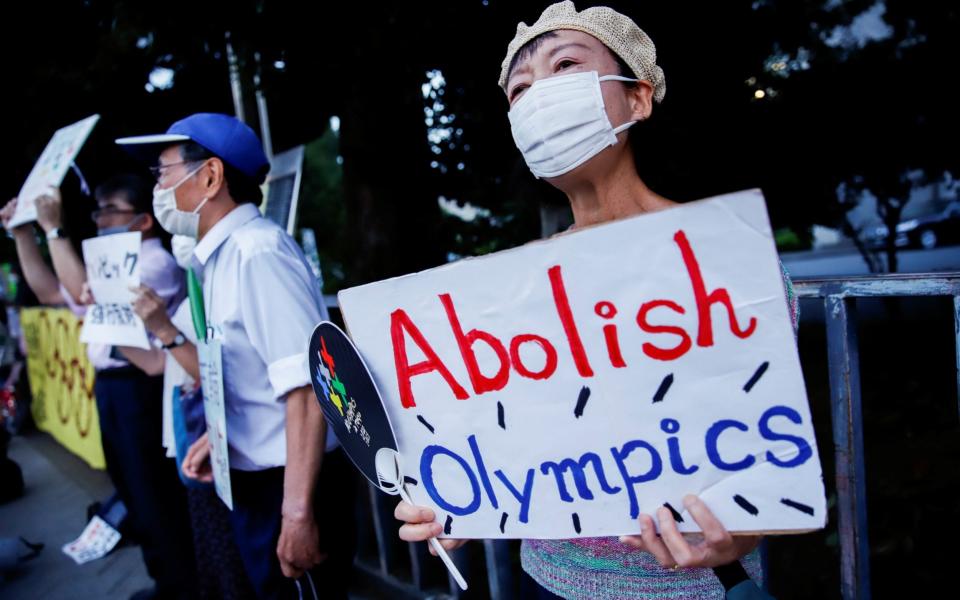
(263, 302)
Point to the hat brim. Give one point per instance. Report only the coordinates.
(147, 148)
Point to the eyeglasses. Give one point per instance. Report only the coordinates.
(157, 171)
(110, 210)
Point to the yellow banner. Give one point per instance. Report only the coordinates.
(61, 380)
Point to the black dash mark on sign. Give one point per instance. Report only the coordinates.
(745, 505)
(425, 424)
(410, 480)
(576, 522)
(503, 521)
(581, 401)
(673, 511)
(756, 376)
(446, 526)
(503, 424)
(801, 507)
(664, 386)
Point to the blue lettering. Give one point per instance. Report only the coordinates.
(676, 461)
(482, 469)
(804, 452)
(713, 434)
(522, 498)
(426, 476)
(656, 467)
(579, 476)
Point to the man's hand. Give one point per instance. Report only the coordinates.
(298, 546)
(152, 310)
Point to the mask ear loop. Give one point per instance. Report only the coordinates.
(135, 221)
(199, 206)
(618, 78)
(628, 124)
(185, 177)
(189, 175)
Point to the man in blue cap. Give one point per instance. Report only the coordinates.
(261, 302)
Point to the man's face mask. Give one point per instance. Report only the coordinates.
(171, 218)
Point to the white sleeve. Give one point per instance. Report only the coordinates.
(280, 305)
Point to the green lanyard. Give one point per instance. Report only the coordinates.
(195, 292)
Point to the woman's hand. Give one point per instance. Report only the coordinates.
(196, 464)
(49, 209)
(420, 524)
(6, 214)
(671, 549)
(86, 295)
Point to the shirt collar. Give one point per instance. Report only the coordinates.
(221, 230)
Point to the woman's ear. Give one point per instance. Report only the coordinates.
(640, 99)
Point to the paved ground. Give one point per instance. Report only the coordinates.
(847, 261)
(59, 487)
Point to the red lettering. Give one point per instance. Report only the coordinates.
(705, 300)
(481, 383)
(607, 310)
(613, 346)
(663, 353)
(548, 350)
(400, 323)
(566, 318)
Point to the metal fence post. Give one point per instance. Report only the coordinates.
(844, 367)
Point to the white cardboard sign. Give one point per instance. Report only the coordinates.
(210, 356)
(113, 267)
(562, 388)
(51, 167)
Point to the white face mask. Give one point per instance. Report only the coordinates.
(182, 247)
(171, 218)
(560, 122)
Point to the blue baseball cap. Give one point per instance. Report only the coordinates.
(227, 137)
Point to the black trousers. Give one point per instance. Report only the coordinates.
(129, 403)
(257, 500)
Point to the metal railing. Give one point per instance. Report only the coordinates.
(839, 302)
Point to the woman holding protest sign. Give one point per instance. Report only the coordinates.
(576, 83)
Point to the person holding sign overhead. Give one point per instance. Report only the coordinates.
(578, 84)
(128, 390)
(254, 301)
